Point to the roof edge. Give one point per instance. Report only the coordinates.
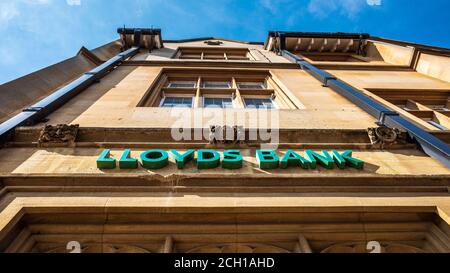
(342, 35)
(347, 35)
(422, 47)
(212, 38)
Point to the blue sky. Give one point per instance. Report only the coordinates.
(37, 33)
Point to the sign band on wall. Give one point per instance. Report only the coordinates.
(230, 159)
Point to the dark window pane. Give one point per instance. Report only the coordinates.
(218, 103)
(217, 85)
(251, 85)
(259, 103)
(184, 102)
(182, 85)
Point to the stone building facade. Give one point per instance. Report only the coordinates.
(308, 142)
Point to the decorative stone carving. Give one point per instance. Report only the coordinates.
(383, 136)
(107, 248)
(238, 248)
(226, 134)
(59, 134)
(213, 43)
(361, 247)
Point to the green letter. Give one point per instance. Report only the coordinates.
(155, 159)
(105, 161)
(207, 159)
(338, 159)
(350, 160)
(182, 159)
(325, 160)
(126, 162)
(267, 159)
(232, 159)
(292, 159)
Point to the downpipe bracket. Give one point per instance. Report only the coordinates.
(383, 114)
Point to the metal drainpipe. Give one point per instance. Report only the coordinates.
(430, 144)
(58, 98)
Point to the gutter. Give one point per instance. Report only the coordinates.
(430, 144)
(329, 35)
(41, 109)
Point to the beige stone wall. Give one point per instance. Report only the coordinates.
(25, 91)
(402, 80)
(108, 51)
(166, 53)
(391, 54)
(79, 161)
(18, 94)
(434, 66)
(54, 195)
(389, 79)
(113, 101)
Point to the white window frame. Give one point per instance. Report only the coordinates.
(218, 96)
(275, 105)
(163, 99)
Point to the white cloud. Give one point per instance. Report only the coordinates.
(73, 2)
(22, 10)
(8, 11)
(269, 4)
(374, 2)
(11, 9)
(350, 8)
(273, 5)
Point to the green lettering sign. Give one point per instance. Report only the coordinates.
(292, 159)
(155, 159)
(182, 159)
(323, 159)
(207, 159)
(267, 159)
(232, 159)
(350, 160)
(127, 162)
(105, 161)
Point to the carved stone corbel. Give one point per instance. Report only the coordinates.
(384, 136)
(59, 135)
(226, 134)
